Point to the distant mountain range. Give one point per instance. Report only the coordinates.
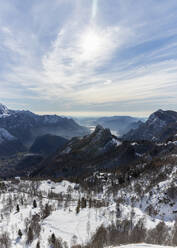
(119, 125)
(26, 126)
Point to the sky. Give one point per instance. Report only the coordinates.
(89, 57)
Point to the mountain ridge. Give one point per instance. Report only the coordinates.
(26, 126)
(160, 126)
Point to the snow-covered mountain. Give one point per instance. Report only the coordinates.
(4, 111)
(160, 126)
(26, 126)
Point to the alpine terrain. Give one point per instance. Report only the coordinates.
(92, 191)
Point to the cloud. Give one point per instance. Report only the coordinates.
(89, 55)
(107, 82)
(77, 54)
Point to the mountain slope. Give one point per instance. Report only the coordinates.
(100, 149)
(9, 144)
(26, 126)
(160, 126)
(82, 156)
(47, 144)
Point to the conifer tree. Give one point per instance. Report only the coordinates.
(34, 204)
(20, 233)
(18, 208)
(38, 245)
(53, 238)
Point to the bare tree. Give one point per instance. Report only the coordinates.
(55, 242)
(30, 236)
(5, 241)
(46, 211)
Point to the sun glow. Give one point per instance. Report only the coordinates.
(91, 44)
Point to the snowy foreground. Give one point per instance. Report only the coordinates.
(76, 226)
(63, 221)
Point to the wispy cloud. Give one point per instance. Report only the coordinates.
(89, 56)
(77, 55)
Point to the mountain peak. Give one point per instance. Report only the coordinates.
(160, 110)
(160, 126)
(101, 133)
(99, 128)
(3, 109)
(100, 141)
(167, 116)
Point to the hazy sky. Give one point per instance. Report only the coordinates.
(89, 56)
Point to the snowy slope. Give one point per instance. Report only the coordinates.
(78, 227)
(63, 221)
(67, 224)
(5, 135)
